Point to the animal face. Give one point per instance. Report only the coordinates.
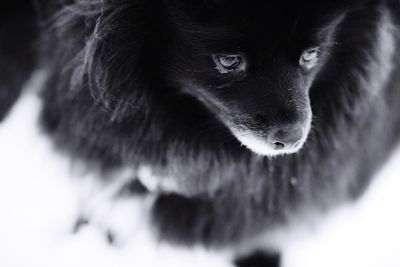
(252, 75)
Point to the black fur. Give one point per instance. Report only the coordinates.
(123, 90)
(18, 31)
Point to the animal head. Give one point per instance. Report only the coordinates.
(252, 65)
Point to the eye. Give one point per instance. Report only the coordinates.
(229, 63)
(310, 57)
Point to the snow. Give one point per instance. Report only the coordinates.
(41, 197)
(366, 233)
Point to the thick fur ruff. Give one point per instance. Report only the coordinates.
(116, 98)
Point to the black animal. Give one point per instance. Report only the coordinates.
(245, 113)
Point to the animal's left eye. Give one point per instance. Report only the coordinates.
(229, 63)
(310, 57)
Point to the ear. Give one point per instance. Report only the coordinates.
(111, 61)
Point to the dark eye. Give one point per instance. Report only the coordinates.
(229, 63)
(309, 58)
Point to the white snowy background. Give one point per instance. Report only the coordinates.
(39, 202)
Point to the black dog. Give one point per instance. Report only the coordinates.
(244, 113)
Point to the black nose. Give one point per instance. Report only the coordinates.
(286, 137)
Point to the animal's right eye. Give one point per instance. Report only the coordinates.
(229, 63)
